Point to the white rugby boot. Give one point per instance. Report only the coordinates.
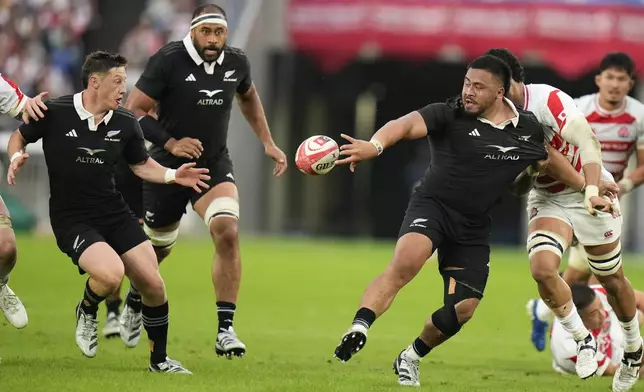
(86, 332)
(407, 370)
(13, 309)
(628, 372)
(229, 345)
(169, 366)
(112, 326)
(586, 365)
(131, 324)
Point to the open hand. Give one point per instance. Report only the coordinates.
(278, 156)
(356, 151)
(15, 166)
(33, 106)
(190, 176)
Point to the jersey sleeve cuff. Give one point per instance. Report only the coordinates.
(18, 109)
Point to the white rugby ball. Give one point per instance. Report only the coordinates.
(317, 155)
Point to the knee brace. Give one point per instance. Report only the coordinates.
(543, 240)
(161, 239)
(607, 264)
(446, 318)
(222, 206)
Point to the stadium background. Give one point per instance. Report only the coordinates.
(322, 67)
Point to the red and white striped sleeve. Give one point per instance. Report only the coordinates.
(12, 100)
(560, 108)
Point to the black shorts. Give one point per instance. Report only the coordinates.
(121, 234)
(131, 188)
(461, 241)
(165, 204)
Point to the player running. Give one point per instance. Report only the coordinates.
(618, 123)
(557, 213)
(194, 82)
(13, 103)
(83, 137)
(480, 143)
(598, 316)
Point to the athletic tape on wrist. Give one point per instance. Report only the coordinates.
(591, 190)
(378, 145)
(15, 156)
(170, 176)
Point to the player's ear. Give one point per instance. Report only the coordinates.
(598, 78)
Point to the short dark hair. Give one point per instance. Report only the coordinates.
(618, 60)
(208, 8)
(496, 67)
(100, 62)
(518, 74)
(582, 295)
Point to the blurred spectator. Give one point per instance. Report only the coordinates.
(41, 43)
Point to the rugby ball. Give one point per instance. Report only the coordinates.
(317, 155)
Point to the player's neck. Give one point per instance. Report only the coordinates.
(499, 113)
(609, 106)
(91, 104)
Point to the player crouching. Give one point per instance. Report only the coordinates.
(83, 137)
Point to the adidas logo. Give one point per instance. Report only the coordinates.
(72, 133)
(191, 78)
(475, 132)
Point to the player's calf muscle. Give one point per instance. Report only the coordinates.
(8, 251)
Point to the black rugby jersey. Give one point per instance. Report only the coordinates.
(473, 162)
(81, 155)
(194, 97)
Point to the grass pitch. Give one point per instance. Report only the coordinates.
(297, 299)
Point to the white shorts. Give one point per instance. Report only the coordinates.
(569, 208)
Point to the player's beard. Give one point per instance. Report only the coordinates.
(202, 51)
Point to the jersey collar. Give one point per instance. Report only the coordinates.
(192, 51)
(85, 115)
(608, 113)
(514, 121)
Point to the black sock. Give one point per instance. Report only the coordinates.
(364, 317)
(90, 301)
(420, 347)
(225, 313)
(133, 299)
(155, 321)
(113, 306)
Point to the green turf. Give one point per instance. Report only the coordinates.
(297, 299)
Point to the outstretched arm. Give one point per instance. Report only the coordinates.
(251, 107)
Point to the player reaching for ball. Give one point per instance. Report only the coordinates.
(557, 213)
(479, 144)
(194, 82)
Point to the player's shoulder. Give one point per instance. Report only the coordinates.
(541, 93)
(171, 49)
(635, 108)
(123, 113)
(235, 56)
(60, 102)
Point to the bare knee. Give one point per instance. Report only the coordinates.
(8, 250)
(224, 232)
(111, 279)
(544, 267)
(613, 283)
(153, 288)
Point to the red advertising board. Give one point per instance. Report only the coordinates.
(571, 38)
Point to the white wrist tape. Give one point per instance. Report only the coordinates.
(378, 145)
(15, 156)
(591, 190)
(170, 176)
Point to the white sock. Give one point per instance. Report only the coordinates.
(632, 334)
(412, 354)
(572, 324)
(543, 312)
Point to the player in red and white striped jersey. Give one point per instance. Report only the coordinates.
(599, 318)
(16, 104)
(618, 122)
(558, 213)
